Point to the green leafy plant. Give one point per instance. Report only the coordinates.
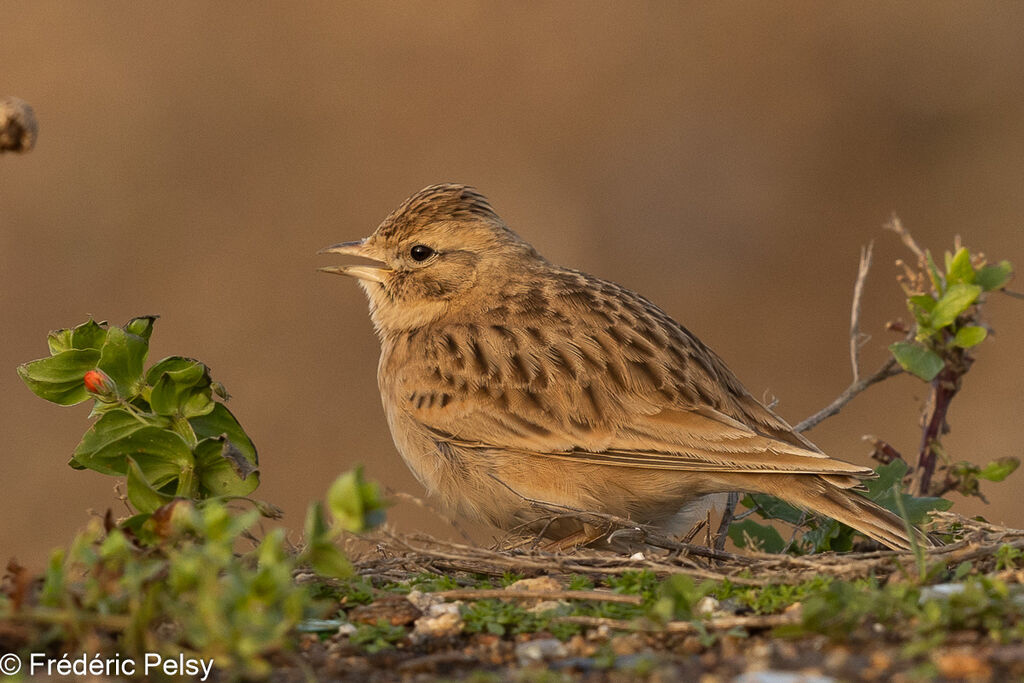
(356, 506)
(946, 304)
(165, 429)
(980, 603)
(947, 307)
(171, 578)
(191, 592)
(378, 637)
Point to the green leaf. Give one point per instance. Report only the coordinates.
(163, 399)
(328, 561)
(121, 358)
(829, 535)
(917, 360)
(345, 501)
(58, 341)
(917, 508)
(994, 276)
(957, 299)
(223, 470)
(355, 503)
(183, 370)
(141, 326)
(141, 493)
(921, 307)
(1000, 469)
(884, 489)
(89, 335)
(59, 378)
(220, 421)
(320, 552)
(969, 336)
(112, 426)
(197, 404)
(765, 538)
(959, 268)
(889, 475)
(773, 508)
(162, 455)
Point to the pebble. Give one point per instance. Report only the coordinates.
(540, 650)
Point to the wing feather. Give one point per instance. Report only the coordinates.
(584, 369)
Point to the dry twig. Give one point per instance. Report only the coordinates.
(398, 555)
(756, 621)
(505, 594)
(858, 291)
(890, 369)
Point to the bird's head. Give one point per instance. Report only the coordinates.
(444, 248)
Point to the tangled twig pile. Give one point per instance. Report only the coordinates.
(396, 556)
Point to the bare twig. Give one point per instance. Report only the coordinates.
(758, 621)
(896, 226)
(728, 516)
(398, 555)
(423, 553)
(504, 594)
(890, 369)
(858, 291)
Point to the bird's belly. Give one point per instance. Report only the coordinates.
(498, 486)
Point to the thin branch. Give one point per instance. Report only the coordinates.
(858, 291)
(728, 517)
(513, 594)
(890, 369)
(896, 226)
(758, 621)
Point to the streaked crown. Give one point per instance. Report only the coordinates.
(444, 202)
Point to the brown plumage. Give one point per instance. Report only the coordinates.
(505, 376)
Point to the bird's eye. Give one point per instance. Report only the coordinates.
(421, 252)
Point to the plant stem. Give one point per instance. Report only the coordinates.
(933, 421)
(187, 484)
(182, 427)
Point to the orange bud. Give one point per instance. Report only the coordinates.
(98, 382)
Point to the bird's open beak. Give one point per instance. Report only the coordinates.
(374, 273)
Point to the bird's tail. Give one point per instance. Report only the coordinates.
(819, 494)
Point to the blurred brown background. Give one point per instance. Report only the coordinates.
(728, 160)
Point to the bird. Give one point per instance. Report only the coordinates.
(507, 379)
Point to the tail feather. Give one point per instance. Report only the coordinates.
(865, 516)
(820, 495)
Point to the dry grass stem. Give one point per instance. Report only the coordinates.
(757, 621)
(505, 594)
(856, 340)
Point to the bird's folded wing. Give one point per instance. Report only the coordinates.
(668, 439)
(636, 391)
